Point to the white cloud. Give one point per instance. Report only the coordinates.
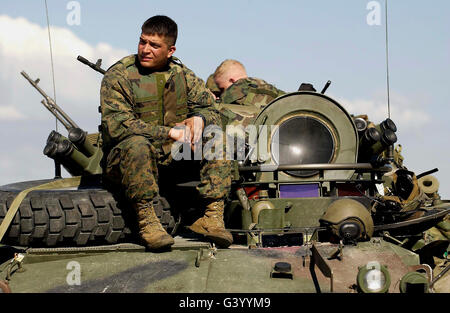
(405, 112)
(24, 46)
(25, 123)
(10, 113)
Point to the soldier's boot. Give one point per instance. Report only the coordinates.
(150, 228)
(212, 226)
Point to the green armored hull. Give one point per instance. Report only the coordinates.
(321, 202)
(196, 267)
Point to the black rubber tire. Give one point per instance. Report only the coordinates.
(80, 217)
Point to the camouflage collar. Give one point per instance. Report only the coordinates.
(173, 63)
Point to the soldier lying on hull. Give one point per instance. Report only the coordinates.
(241, 99)
(237, 88)
(143, 98)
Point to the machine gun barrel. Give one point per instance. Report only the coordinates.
(326, 87)
(51, 105)
(96, 66)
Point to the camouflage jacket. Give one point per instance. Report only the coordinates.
(251, 91)
(136, 102)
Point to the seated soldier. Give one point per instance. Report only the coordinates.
(149, 100)
(237, 88)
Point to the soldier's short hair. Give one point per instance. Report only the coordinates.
(163, 26)
(226, 65)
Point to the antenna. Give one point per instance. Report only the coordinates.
(390, 151)
(51, 58)
(57, 163)
(387, 59)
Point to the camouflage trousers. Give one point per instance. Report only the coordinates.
(134, 165)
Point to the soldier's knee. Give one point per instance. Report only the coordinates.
(138, 146)
(135, 151)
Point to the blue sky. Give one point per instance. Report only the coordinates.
(283, 42)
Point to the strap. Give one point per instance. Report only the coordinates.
(57, 184)
(249, 98)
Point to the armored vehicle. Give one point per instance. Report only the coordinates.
(321, 202)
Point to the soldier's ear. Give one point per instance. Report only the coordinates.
(171, 50)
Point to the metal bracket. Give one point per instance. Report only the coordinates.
(339, 253)
(316, 259)
(199, 257)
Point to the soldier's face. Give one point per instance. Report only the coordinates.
(153, 51)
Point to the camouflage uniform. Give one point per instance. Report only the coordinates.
(251, 91)
(241, 103)
(211, 85)
(138, 110)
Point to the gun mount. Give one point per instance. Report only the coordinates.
(79, 153)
